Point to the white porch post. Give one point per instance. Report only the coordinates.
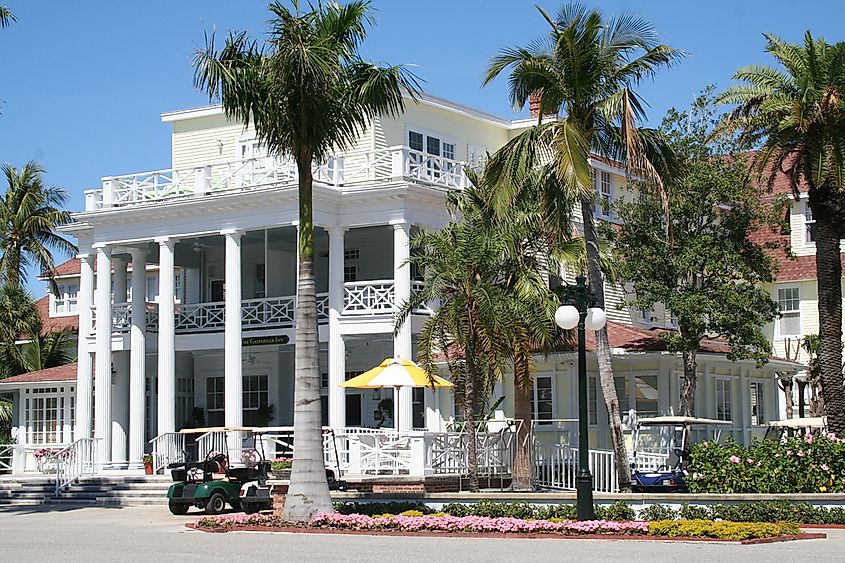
(337, 347)
(84, 374)
(103, 359)
(232, 361)
(120, 386)
(137, 365)
(402, 339)
(166, 337)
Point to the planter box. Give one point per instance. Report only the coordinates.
(282, 474)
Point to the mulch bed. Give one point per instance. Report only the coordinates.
(294, 529)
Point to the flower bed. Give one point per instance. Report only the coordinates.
(796, 465)
(446, 524)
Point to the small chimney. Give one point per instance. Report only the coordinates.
(534, 103)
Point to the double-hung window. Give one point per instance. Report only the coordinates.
(66, 300)
(350, 264)
(431, 156)
(542, 407)
(723, 399)
(605, 194)
(789, 302)
(809, 224)
(215, 400)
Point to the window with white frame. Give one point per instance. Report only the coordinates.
(592, 400)
(215, 400)
(758, 398)
(605, 194)
(435, 146)
(809, 224)
(66, 300)
(255, 392)
(542, 407)
(350, 264)
(789, 323)
(152, 288)
(49, 415)
(723, 399)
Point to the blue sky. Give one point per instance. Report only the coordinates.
(83, 83)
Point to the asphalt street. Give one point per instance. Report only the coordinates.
(151, 533)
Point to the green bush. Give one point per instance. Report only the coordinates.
(657, 512)
(619, 510)
(377, 508)
(720, 530)
(691, 512)
(557, 512)
(796, 465)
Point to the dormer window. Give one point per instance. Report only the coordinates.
(65, 302)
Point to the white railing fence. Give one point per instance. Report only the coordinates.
(167, 448)
(199, 317)
(651, 461)
(74, 461)
(267, 312)
(555, 467)
(368, 297)
(349, 169)
(7, 455)
(448, 452)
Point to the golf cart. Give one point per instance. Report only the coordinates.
(795, 427)
(655, 472)
(210, 483)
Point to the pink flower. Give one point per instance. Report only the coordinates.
(808, 438)
(750, 461)
(788, 452)
(733, 459)
(825, 467)
(800, 454)
(759, 463)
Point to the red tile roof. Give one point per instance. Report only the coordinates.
(59, 373)
(53, 324)
(640, 339)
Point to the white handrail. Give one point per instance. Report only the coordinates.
(78, 459)
(167, 448)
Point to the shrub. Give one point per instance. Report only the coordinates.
(619, 510)
(720, 530)
(556, 512)
(281, 464)
(796, 465)
(690, 512)
(657, 512)
(378, 508)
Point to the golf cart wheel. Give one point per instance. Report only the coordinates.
(216, 504)
(178, 508)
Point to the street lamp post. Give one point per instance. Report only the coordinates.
(578, 310)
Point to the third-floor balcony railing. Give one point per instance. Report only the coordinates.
(372, 297)
(349, 169)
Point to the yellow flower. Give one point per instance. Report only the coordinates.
(823, 489)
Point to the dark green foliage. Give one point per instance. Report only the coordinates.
(657, 512)
(374, 508)
(619, 510)
(692, 512)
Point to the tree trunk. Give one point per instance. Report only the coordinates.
(688, 384)
(608, 387)
(470, 402)
(309, 491)
(829, 276)
(522, 477)
(801, 386)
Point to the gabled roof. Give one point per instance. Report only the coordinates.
(60, 373)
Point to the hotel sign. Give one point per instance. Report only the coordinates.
(265, 340)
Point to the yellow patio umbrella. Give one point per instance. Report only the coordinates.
(396, 373)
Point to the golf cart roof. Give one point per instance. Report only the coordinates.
(807, 422)
(681, 420)
(216, 429)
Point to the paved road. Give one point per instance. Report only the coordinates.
(152, 534)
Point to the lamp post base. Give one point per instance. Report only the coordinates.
(584, 495)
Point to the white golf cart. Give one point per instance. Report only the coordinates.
(652, 470)
(795, 427)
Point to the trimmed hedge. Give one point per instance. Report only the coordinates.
(720, 530)
(762, 511)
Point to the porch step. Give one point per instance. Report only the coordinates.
(105, 490)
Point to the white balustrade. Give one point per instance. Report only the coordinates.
(215, 442)
(555, 466)
(167, 448)
(349, 169)
(200, 317)
(268, 312)
(426, 308)
(7, 455)
(74, 461)
(368, 297)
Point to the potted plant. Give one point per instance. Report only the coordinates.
(148, 464)
(280, 467)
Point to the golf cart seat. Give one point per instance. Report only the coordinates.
(673, 460)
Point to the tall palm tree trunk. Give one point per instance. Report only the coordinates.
(608, 387)
(309, 492)
(522, 464)
(470, 402)
(829, 277)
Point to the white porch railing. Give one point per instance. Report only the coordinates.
(200, 317)
(167, 448)
(214, 442)
(448, 452)
(74, 461)
(350, 169)
(555, 467)
(368, 297)
(268, 312)
(7, 456)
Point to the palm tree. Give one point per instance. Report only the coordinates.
(797, 115)
(585, 72)
(308, 93)
(30, 213)
(6, 16)
(18, 318)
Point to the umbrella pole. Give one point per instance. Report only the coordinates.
(396, 402)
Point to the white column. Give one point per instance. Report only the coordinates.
(137, 360)
(120, 279)
(232, 359)
(103, 359)
(402, 338)
(166, 337)
(120, 408)
(337, 347)
(84, 374)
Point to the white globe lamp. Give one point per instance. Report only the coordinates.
(596, 318)
(566, 317)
